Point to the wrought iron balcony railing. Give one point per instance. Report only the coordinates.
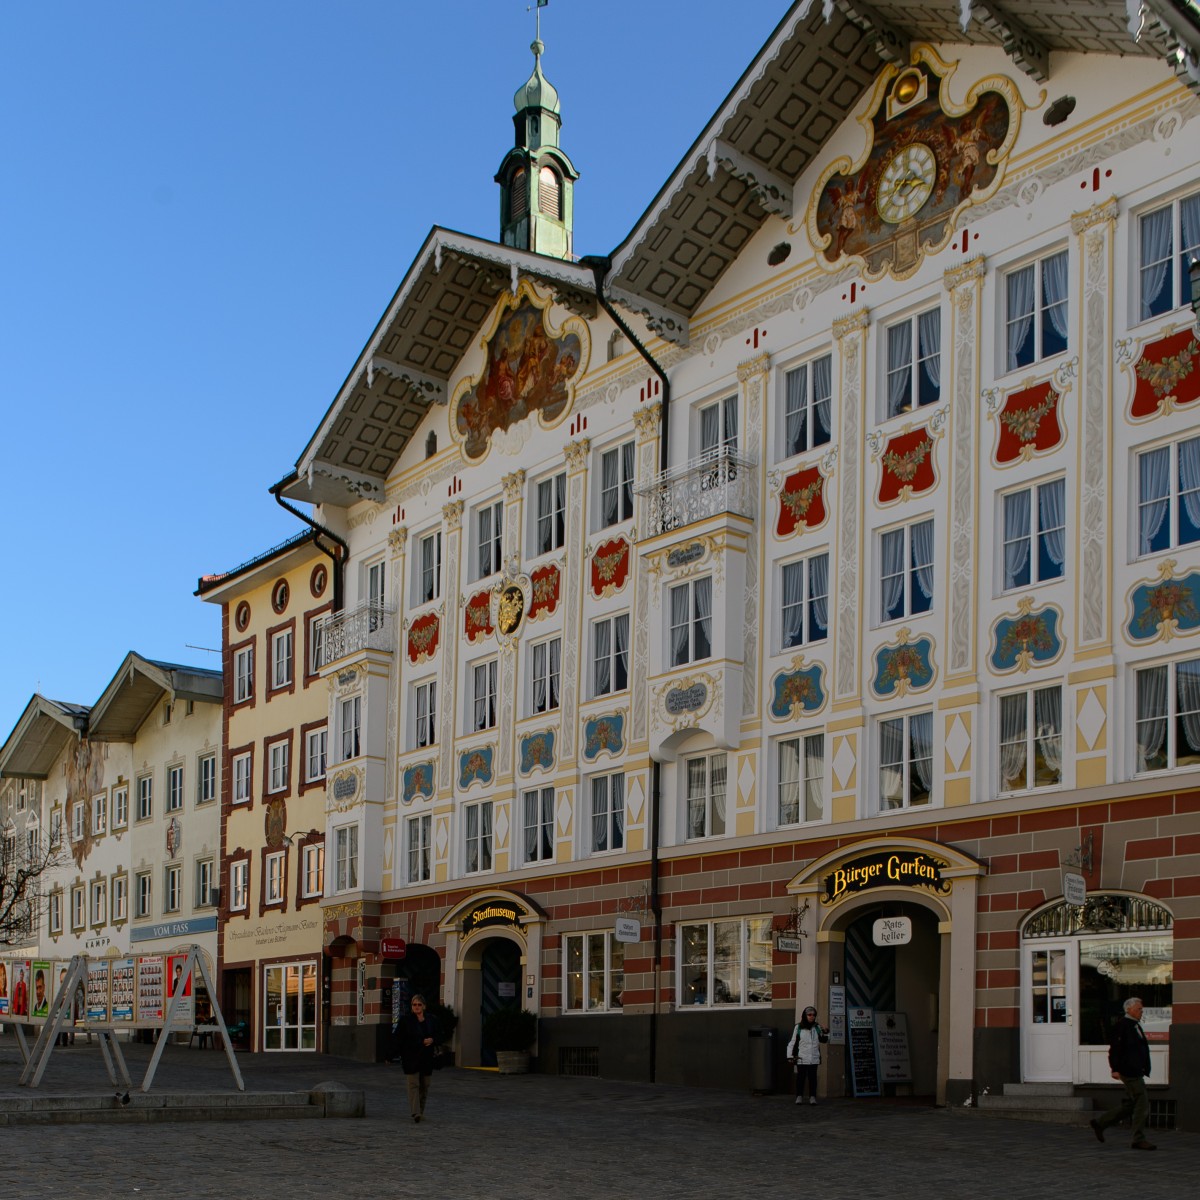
(368, 627)
(720, 482)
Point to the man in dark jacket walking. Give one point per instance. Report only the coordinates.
(1129, 1058)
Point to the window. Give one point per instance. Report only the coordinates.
(719, 427)
(1036, 311)
(55, 912)
(281, 659)
(808, 405)
(425, 713)
(725, 962)
(78, 821)
(239, 885)
(551, 513)
(243, 675)
(206, 782)
(242, 764)
(691, 622)
(616, 484)
(144, 894)
(914, 362)
(316, 644)
(594, 966)
(276, 881)
(429, 567)
(549, 197)
(78, 915)
(145, 794)
(120, 897)
(99, 814)
(538, 808)
(1167, 727)
(608, 813)
(905, 761)
(376, 589)
(419, 856)
(478, 837)
(168, 710)
(316, 742)
(172, 889)
(345, 842)
(120, 799)
(801, 779)
(705, 795)
(489, 532)
(805, 601)
(351, 715)
(483, 695)
(280, 765)
(1169, 496)
(313, 870)
(99, 902)
(906, 569)
(546, 667)
(204, 883)
(174, 789)
(1163, 282)
(1034, 520)
(56, 828)
(610, 655)
(1031, 739)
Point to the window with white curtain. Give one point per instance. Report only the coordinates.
(906, 571)
(545, 667)
(419, 848)
(489, 536)
(1169, 496)
(594, 972)
(914, 362)
(905, 761)
(805, 601)
(483, 695)
(243, 769)
(1035, 311)
(350, 722)
(316, 743)
(705, 778)
(808, 405)
(719, 427)
(239, 884)
(279, 759)
(608, 813)
(610, 655)
(477, 827)
(429, 567)
(537, 808)
(376, 593)
(243, 675)
(1034, 534)
(1031, 739)
(424, 713)
(274, 877)
(801, 779)
(616, 485)
(550, 528)
(726, 962)
(1163, 281)
(281, 659)
(690, 610)
(1167, 716)
(345, 845)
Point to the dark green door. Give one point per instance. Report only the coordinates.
(501, 986)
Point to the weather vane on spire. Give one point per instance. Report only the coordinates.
(540, 5)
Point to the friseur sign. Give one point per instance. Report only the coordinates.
(894, 868)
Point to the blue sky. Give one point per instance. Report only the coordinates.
(206, 206)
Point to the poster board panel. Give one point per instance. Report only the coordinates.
(122, 989)
(864, 1067)
(150, 969)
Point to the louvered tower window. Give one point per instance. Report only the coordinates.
(550, 193)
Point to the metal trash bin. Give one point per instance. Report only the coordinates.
(762, 1059)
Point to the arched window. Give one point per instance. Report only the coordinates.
(518, 195)
(550, 193)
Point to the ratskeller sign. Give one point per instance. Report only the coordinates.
(895, 868)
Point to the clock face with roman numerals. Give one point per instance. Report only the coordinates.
(906, 182)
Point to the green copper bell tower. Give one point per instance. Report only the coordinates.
(536, 178)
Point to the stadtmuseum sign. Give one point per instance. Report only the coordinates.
(885, 868)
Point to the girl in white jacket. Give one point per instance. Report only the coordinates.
(804, 1050)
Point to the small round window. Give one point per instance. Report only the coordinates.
(280, 595)
(241, 616)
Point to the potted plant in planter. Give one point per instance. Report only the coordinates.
(446, 1021)
(510, 1032)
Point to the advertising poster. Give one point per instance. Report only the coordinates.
(97, 991)
(181, 989)
(20, 968)
(42, 977)
(122, 989)
(864, 1067)
(150, 988)
(4, 965)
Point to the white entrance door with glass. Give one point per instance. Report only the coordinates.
(290, 1006)
(1048, 1016)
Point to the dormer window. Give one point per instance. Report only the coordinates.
(550, 193)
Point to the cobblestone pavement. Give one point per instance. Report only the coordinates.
(510, 1137)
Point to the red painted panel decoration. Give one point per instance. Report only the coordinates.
(545, 585)
(1029, 423)
(801, 502)
(423, 637)
(907, 466)
(1168, 375)
(477, 616)
(610, 567)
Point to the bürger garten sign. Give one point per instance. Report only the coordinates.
(895, 868)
